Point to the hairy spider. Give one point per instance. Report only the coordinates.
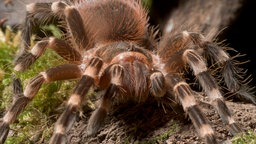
(110, 45)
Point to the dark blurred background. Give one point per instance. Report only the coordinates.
(239, 34)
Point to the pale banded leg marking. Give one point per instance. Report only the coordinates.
(67, 118)
(117, 73)
(157, 85)
(42, 13)
(8, 117)
(57, 45)
(21, 99)
(201, 124)
(74, 100)
(195, 61)
(186, 96)
(58, 7)
(92, 69)
(205, 130)
(60, 129)
(210, 86)
(33, 87)
(98, 116)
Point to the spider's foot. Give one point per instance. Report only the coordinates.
(4, 130)
(96, 121)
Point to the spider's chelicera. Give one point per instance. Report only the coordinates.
(110, 44)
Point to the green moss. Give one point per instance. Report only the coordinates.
(147, 3)
(39, 116)
(164, 136)
(7, 52)
(56, 32)
(246, 138)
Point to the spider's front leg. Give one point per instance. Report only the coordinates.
(21, 99)
(187, 99)
(67, 118)
(167, 78)
(114, 89)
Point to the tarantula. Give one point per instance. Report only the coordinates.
(110, 45)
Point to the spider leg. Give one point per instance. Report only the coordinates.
(232, 74)
(211, 88)
(76, 28)
(43, 12)
(175, 52)
(67, 118)
(37, 14)
(186, 97)
(115, 88)
(17, 92)
(59, 46)
(62, 72)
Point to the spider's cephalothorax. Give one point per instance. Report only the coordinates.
(109, 44)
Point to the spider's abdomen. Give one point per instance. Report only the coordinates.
(113, 20)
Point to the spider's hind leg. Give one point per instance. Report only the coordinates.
(36, 14)
(40, 14)
(211, 88)
(233, 75)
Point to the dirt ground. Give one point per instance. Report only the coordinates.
(149, 124)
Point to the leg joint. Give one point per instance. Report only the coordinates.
(158, 86)
(58, 7)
